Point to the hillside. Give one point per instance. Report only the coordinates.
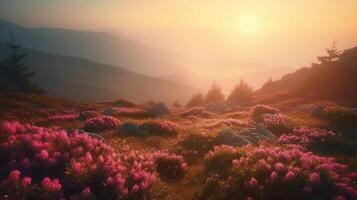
(61, 149)
(334, 81)
(97, 46)
(84, 80)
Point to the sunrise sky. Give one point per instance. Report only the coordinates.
(212, 37)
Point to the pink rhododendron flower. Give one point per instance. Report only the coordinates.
(315, 178)
(274, 176)
(51, 185)
(289, 176)
(135, 189)
(14, 175)
(279, 167)
(26, 181)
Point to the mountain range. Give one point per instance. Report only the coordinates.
(98, 45)
(85, 80)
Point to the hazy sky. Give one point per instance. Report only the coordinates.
(216, 37)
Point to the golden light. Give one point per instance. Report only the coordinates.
(249, 25)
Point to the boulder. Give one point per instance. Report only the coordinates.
(110, 111)
(158, 110)
(131, 129)
(244, 136)
(80, 131)
(88, 114)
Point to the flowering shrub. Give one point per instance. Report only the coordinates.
(171, 167)
(88, 114)
(304, 136)
(195, 146)
(42, 163)
(278, 173)
(277, 124)
(219, 160)
(341, 116)
(101, 123)
(160, 127)
(319, 141)
(258, 110)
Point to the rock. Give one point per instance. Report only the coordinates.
(110, 111)
(158, 110)
(124, 103)
(216, 107)
(131, 129)
(94, 135)
(245, 136)
(88, 114)
(318, 111)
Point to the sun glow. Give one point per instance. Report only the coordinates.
(250, 25)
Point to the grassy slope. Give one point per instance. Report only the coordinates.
(187, 187)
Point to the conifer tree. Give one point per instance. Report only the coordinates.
(214, 94)
(242, 94)
(16, 72)
(196, 100)
(332, 54)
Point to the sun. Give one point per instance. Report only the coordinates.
(249, 25)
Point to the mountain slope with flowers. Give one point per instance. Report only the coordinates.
(58, 149)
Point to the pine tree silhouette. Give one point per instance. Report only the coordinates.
(242, 94)
(332, 54)
(16, 72)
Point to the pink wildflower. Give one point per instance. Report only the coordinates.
(14, 175)
(26, 181)
(315, 178)
(274, 176)
(51, 186)
(289, 176)
(279, 167)
(135, 188)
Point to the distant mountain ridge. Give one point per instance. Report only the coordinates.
(84, 80)
(98, 46)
